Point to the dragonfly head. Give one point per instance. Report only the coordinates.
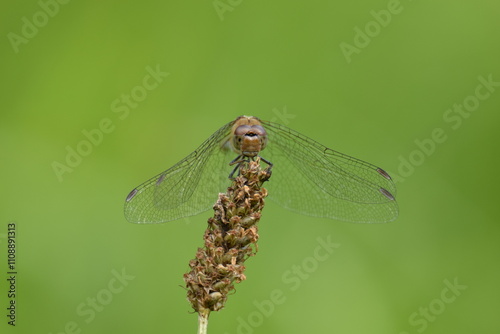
(249, 140)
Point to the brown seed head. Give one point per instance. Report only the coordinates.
(231, 237)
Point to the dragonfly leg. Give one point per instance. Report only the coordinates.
(236, 161)
(269, 168)
(241, 158)
(237, 167)
(267, 162)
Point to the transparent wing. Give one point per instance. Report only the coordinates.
(187, 188)
(314, 180)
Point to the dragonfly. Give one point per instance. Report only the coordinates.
(307, 177)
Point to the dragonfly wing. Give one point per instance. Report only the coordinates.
(189, 187)
(312, 179)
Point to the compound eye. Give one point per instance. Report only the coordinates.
(242, 130)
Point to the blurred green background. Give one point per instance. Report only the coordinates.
(382, 81)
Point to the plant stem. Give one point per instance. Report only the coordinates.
(203, 321)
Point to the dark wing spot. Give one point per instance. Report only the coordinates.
(384, 174)
(131, 195)
(386, 193)
(160, 179)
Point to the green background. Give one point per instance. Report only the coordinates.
(279, 61)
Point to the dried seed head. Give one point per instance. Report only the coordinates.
(231, 237)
